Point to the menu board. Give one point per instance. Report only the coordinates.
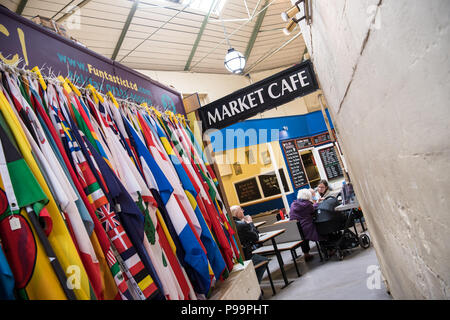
(294, 163)
(269, 183)
(330, 162)
(303, 143)
(321, 138)
(248, 190)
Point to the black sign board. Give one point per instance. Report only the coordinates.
(294, 163)
(321, 138)
(303, 143)
(269, 183)
(248, 190)
(266, 94)
(330, 162)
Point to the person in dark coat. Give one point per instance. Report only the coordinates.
(248, 236)
(302, 211)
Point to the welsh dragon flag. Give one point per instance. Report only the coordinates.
(33, 274)
(58, 237)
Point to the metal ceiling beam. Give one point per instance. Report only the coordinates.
(199, 36)
(71, 12)
(259, 21)
(271, 53)
(125, 29)
(21, 6)
(234, 31)
(159, 28)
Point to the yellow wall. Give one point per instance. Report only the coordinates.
(225, 163)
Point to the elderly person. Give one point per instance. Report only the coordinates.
(248, 235)
(302, 211)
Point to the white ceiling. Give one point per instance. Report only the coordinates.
(164, 37)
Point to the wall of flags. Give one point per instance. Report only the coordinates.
(103, 199)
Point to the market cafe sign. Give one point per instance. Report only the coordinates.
(266, 94)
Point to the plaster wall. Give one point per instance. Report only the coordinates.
(383, 66)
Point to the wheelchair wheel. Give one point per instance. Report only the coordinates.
(340, 254)
(364, 241)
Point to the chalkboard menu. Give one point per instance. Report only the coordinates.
(303, 143)
(294, 163)
(248, 190)
(330, 162)
(269, 183)
(321, 138)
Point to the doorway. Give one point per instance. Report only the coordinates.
(312, 173)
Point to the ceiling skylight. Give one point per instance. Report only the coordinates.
(202, 5)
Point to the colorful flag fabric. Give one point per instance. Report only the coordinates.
(21, 248)
(6, 275)
(214, 256)
(59, 236)
(128, 202)
(103, 240)
(194, 254)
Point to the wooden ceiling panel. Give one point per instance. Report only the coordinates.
(177, 39)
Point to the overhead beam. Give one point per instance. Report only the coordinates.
(199, 36)
(256, 28)
(21, 6)
(125, 29)
(71, 12)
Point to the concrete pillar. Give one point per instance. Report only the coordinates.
(383, 66)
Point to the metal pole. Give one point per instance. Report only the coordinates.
(277, 173)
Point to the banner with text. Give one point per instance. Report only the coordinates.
(268, 93)
(26, 44)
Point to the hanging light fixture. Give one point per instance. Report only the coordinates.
(234, 60)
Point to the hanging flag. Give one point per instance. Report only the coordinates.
(59, 236)
(135, 185)
(194, 253)
(103, 240)
(214, 256)
(65, 196)
(21, 190)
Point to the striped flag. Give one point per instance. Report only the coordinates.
(194, 255)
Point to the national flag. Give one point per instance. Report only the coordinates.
(94, 185)
(205, 197)
(214, 256)
(103, 240)
(21, 248)
(194, 255)
(59, 236)
(66, 197)
(135, 185)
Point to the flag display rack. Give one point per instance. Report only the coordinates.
(135, 208)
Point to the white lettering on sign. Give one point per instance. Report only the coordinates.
(302, 79)
(275, 90)
(233, 107)
(270, 91)
(215, 117)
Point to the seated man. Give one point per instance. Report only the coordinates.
(248, 235)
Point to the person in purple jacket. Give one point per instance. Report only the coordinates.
(302, 211)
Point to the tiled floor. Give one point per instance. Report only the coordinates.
(354, 278)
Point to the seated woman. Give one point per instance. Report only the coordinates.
(302, 211)
(323, 190)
